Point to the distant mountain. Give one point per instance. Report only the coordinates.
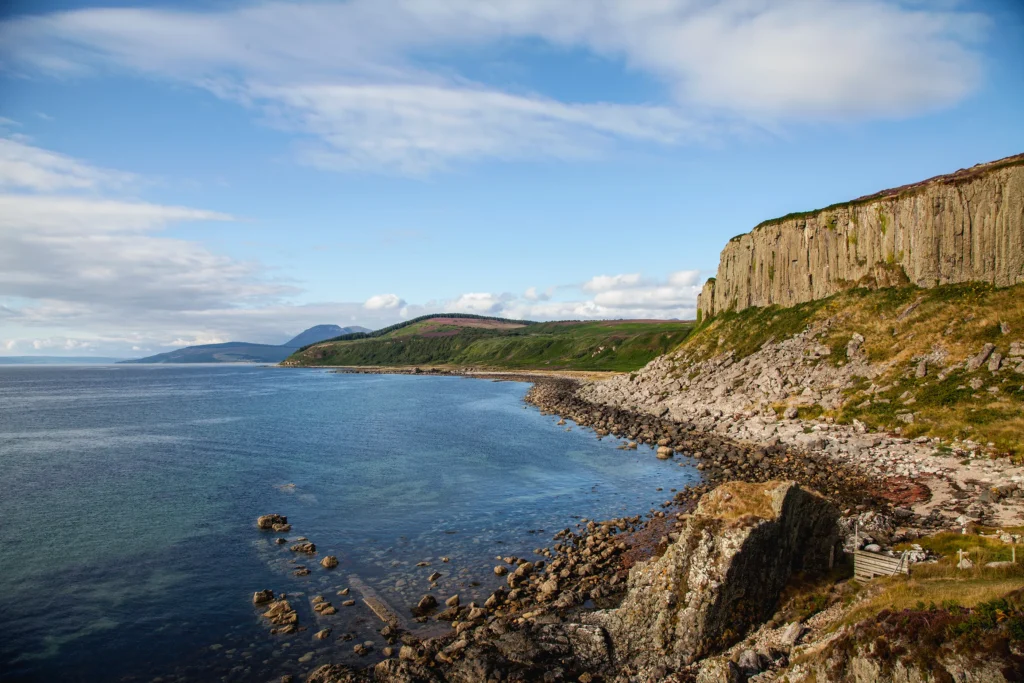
(246, 352)
(320, 333)
(57, 360)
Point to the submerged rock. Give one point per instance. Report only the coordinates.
(329, 562)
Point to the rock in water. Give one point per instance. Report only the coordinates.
(724, 574)
(267, 522)
(329, 562)
(261, 597)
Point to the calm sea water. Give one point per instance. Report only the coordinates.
(128, 547)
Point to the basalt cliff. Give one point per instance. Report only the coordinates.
(963, 227)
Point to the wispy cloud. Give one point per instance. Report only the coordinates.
(346, 75)
(26, 167)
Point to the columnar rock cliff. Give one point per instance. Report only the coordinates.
(966, 226)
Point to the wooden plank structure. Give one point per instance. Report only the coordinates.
(868, 565)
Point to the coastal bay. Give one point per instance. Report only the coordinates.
(134, 492)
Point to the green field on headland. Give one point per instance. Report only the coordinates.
(497, 343)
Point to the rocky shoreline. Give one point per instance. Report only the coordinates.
(538, 627)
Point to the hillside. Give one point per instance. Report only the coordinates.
(967, 226)
(943, 362)
(449, 339)
(247, 352)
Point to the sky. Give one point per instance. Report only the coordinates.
(195, 172)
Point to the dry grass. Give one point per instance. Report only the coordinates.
(903, 593)
(900, 326)
(737, 500)
(980, 551)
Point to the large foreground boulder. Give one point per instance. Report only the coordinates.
(723, 576)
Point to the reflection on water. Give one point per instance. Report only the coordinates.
(127, 540)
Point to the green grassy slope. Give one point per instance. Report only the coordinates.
(901, 325)
(498, 344)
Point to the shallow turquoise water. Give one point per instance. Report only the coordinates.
(128, 548)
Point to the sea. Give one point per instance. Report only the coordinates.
(129, 495)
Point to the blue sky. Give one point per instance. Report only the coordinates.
(175, 173)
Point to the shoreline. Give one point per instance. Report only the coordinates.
(588, 570)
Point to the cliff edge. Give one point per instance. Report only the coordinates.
(963, 227)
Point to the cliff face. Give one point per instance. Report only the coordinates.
(963, 227)
(723, 576)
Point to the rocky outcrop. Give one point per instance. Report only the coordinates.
(963, 227)
(981, 644)
(723, 575)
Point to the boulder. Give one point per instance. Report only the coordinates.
(307, 547)
(724, 574)
(261, 597)
(329, 562)
(267, 522)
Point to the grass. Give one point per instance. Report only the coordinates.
(594, 345)
(901, 325)
(736, 500)
(895, 193)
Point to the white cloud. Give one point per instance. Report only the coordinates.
(480, 303)
(614, 296)
(346, 73)
(684, 278)
(532, 294)
(25, 167)
(61, 344)
(415, 129)
(603, 283)
(195, 341)
(384, 302)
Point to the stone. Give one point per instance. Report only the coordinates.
(261, 597)
(995, 361)
(790, 413)
(426, 604)
(267, 522)
(979, 359)
(452, 601)
(719, 670)
(307, 547)
(434, 577)
(724, 575)
(664, 453)
(323, 634)
(329, 562)
(791, 636)
(500, 570)
(748, 662)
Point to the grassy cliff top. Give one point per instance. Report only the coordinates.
(961, 176)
